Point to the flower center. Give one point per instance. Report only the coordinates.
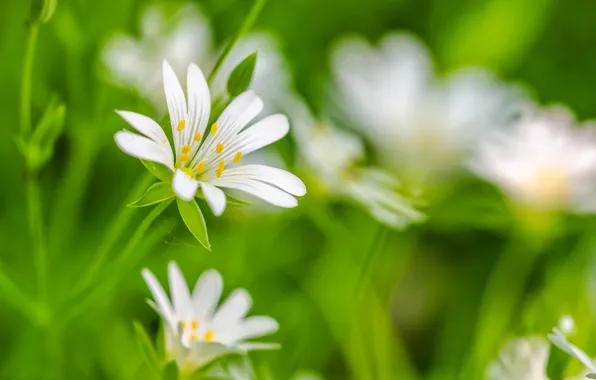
(190, 328)
(549, 186)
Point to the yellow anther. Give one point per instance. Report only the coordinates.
(184, 325)
(201, 167)
(194, 337)
(181, 125)
(238, 157)
(218, 173)
(186, 148)
(222, 165)
(209, 336)
(214, 128)
(184, 157)
(219, 148)
(195, 325)
(198, 137)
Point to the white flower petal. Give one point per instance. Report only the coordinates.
(176, 102)
(206, 294)
(179, 291)
(256, 326)
(259, 189)
(145, 125)
(142, 148)
(234, 308)
(258, 346)
(203, 353)
(160, 297)
(184, 186)
(559, 340)
(283, 179)
(214, 197)
(199, 103)
(263, 133)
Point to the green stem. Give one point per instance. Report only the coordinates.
(26, 79)
(378, 242)
(11, 293)
(246, 25)
(37, 235)
(122, 261)
(503, 293)
(117, 227)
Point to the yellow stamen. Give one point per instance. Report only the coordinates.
(201, 167)
(219, 148)
(238, 157)
(198, 137)
(195, 325)
(209, 336)
(214, 128)
(185, 157)
(184, 325)
(181, 125)
(194, 337)
(186, 148)
(222, 165)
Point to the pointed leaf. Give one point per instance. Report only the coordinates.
(146, 347)
(194, 220)
(170, 371)
(241, 76)
(42, 10)
(157, 193)
(162, 172)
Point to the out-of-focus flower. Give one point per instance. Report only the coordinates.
(543, 162)
(421, 125)
(566, 325)
(202, 159)
(196, 330)
(521, 359)
(332, 161)
(559, 339)
(181, 37)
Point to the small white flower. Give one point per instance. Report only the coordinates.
(559, 339)
(332, 157)
(418, 124)
(521, 359)
(543, 162)
(197, 331)
(567, 324)
(181, 37)
(203, 158)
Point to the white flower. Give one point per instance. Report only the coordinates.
(331, 158)
(559, 339)
(521, 359)
(203, 159)
(543, 162)
(182, 37)
(197, 331)
(567, 324)
(418, 124)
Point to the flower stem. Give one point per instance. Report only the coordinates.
(117, 227)
(37, 236)
(378, 242)
(246, 25)
(26, 79)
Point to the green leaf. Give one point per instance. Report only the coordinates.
(194, 220)
(42, 10)
(170, 371)
(241, 76)
(162, 172)
(146, 347)
(157, 193)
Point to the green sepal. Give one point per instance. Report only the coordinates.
(146, 347)
(194, 220)
(157, 193)
(170, 371)
(162, 172)
(241, 76)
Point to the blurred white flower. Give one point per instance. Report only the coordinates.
(421, 125)
(521, 359)
(543, 162)
(566, 324)
(332, 159)
(196, 330)
(180, 37)
(201, 159)
(559, 339)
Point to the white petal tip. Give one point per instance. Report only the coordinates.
(184, 186)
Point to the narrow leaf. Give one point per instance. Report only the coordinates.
(162, 172)
(42, 10)
(170, 371)
(194, 220)
(146, 347)
(241, 76)
(157, 193)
